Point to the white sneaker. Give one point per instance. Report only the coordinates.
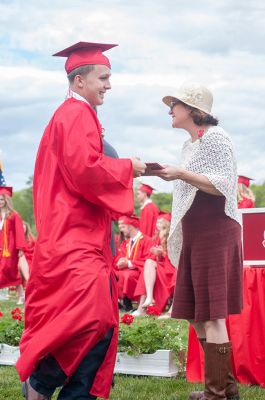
(138, 313)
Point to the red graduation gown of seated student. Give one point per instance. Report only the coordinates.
(69, 308)
(29, 250)
(148, 218)
(165, 280)
(11, 241)
(246, 203)
(128, 277)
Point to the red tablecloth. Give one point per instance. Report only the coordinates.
(247, 333)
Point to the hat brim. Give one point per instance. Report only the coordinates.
(169, 99)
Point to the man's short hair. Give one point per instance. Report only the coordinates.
(84, 70)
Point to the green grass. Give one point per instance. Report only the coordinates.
(130, 388)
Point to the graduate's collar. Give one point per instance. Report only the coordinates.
(147, 201)
(138, 235)
(76, 96)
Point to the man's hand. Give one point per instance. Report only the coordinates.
(138, 167)
(122, 263)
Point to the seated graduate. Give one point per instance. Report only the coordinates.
(131, 258)
(157, 280)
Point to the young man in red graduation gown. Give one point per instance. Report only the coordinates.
(131, 258)
(71, 315)
(149, 211)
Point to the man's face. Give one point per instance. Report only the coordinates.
(141, 196)
(95, 84)
(126, 230)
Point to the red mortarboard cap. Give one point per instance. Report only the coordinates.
(85, 53)
(164, 215)
(244, 180)
(6, 190)
(132, 220)
(146, 188)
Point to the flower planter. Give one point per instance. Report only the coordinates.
(161, 363)
(8, 354)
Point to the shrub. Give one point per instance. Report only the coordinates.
(148, 334)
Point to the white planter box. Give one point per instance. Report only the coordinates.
(161, 363)
(8, 354)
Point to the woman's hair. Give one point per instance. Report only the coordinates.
(244, 192)
(9, 205)
(28, 232)
(164, 232)
(200, 117)
(84, 70)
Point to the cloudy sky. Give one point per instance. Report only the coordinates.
(162, 43)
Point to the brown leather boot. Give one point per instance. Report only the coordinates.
(31, 393)
(222, 366)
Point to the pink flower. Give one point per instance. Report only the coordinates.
(127, 319)
(200, 132)
(153, 310)
(1, 314)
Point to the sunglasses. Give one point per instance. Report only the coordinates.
(173, 104)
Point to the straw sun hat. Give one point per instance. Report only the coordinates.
(194, 95)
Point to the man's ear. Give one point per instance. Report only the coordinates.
(79, 81)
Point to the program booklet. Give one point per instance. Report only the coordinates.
(151, 167)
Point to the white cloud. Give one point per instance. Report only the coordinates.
(161, 45)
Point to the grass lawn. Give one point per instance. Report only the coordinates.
(129, 388)
(126, 387)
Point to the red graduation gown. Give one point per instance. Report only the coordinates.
(9, 275)
(128, 277)
(246, 203)
(165, 280)
(148, 218)
(29, 250)
(76, 189)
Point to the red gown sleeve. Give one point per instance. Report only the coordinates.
(20, 241)
(102, 180)
(121, 253)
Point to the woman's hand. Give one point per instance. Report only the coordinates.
(157, 250)
(169, 172)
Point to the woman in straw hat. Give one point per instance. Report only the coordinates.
(205, 234)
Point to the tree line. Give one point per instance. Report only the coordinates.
(24, 205)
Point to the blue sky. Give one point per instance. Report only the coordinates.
(161, 44)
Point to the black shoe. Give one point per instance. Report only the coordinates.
(127, 304)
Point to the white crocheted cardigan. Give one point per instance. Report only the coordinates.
(212, 156)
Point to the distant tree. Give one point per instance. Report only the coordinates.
(162, 200)
(23, 203)
(259, 191)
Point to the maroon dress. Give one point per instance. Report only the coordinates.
(209, 280)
